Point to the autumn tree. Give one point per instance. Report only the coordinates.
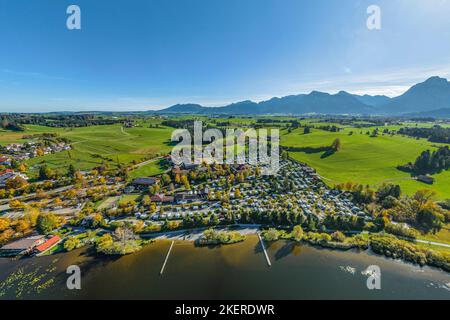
(16, 183)
(297, 233)
(57, 202)
(138, 227)
(338, 236)
(48, 222)
(16, 204)
(336, 145)
(4, 224)
(72, 243)
(45, 173)
(166, 179)
(39, 152)
(185, 182)
(146, 201)
(32, 215)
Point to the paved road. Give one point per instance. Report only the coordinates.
(194, 234)
(440, 244)
(33, 195)
(146, 162)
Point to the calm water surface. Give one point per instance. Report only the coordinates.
(238, 271)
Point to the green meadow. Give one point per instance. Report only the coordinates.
(95, 145)
(148, 170)
(362, 159)
(365, 159)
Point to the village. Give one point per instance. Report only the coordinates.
(13, 154)
(185, 197)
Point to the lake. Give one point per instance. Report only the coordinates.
(238, 271)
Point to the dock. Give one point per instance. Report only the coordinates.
(264, 249)
(167, 257)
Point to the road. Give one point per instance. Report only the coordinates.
(434, 243)
(194, 234)
(146, 162)
(33, 195)
(440, 244)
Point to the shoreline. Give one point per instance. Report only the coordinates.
(193, 236)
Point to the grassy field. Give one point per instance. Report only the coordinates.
(433, 247)
(129, 197)
(97, 144)
(442, 236)
(362, 159)
(366, 160)
(148, 170)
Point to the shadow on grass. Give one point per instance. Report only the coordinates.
(328, 153)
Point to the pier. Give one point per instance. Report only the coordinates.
(167, 257)
(264, 249)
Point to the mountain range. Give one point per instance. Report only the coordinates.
(429, 98)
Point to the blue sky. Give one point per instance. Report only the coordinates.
(149, 54)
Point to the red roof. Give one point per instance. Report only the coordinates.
(156, 198)
(49, 243)
(6, 171)
(161, 198)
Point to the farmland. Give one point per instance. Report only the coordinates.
(95, 145)
(362, 159)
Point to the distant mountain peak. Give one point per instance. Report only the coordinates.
(318, 93)
(344, 93)
(435, 80)
(432, 94)
(244, 102)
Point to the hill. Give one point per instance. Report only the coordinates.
(374, 101)
(433, 94)
(189, 108)
(315, 102)
(430, 95)
(365, 159)
(436, 114)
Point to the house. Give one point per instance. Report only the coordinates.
(176, 170)
(189, 166)
(48, 244)
(21, 246)
(184, 197)
(8, 174)
(5, 161)
(129, 189)
(6, 171)
(161, 198)
(144, 182)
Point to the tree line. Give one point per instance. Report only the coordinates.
(429, 162)
(434, 134)
(16, 121)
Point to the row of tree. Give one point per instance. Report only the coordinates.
(429, 162)
(434, 134)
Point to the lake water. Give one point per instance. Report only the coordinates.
(237, 271)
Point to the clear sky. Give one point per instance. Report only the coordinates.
(149, 54)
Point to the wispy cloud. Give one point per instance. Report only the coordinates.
(391, 83)
(388, 82)
(36, 75)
